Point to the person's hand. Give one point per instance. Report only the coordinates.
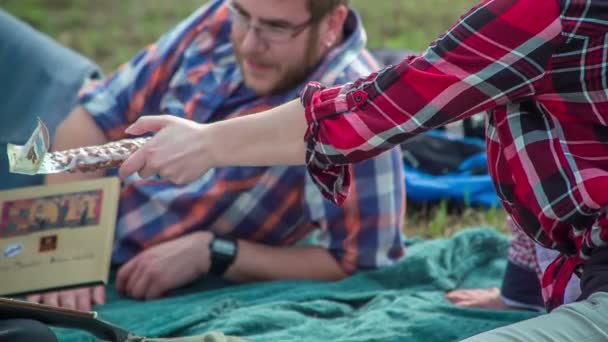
(164, 267)
(177, 153)
(78, 299)
(489, 298)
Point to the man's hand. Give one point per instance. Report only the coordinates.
(478, 298)
(79, 299)
(165, 267)
(178, 152)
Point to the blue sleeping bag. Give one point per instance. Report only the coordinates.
(440, 166)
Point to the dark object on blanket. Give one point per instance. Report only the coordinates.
(88, 321)
(50, 315)
(25, 330)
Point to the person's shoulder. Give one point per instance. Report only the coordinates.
(355, 64)
(203, 30)
(212, 15)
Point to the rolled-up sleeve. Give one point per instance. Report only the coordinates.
(333, 179)
(366, 232)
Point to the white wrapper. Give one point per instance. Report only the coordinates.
(33, 157)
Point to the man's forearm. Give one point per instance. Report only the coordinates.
(257, 262)
(77, 130)
(269, 138)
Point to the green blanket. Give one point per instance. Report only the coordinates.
(401, 303)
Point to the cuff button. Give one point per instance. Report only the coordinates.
(359, 97)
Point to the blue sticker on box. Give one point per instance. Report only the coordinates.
(13, 250)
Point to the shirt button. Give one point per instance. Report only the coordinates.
(360, 97)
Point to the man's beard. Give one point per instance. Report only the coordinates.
(294, 75)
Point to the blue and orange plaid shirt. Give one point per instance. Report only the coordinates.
(192, 72)
(538, 67)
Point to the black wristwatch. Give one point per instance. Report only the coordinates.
(222, 252)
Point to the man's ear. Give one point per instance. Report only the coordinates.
(332, 27)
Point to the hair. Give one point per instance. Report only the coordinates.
(320, 8)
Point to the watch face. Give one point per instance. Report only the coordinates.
(224, 247)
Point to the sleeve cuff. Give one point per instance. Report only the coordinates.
(332, 180)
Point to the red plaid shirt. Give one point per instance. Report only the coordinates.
(538, 67)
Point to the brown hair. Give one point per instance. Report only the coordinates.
(320, 8)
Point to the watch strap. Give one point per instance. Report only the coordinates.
(222, 252)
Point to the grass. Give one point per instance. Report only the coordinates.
(442, 220)
(111, 31)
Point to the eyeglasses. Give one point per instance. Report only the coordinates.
(271, 32)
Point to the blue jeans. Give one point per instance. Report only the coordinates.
(585, 320)
(40, 78)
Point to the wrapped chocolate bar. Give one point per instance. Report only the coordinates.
(34, 157)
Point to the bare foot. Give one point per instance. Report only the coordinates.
(478, 298)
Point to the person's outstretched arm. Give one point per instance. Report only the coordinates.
(182, 150)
